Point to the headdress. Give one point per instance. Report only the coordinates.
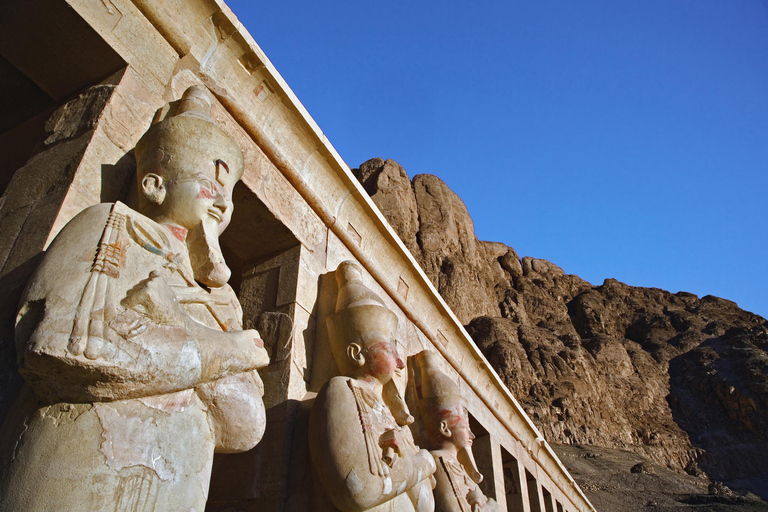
(440, 400)
(360, 314)
(361, 317)
(439, 397)
(186, 138)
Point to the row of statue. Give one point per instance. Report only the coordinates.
(137, 368)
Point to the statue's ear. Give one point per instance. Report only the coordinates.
(444, 430)
(355, 353)
(153, 187)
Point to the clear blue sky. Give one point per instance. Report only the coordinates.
(615, 139)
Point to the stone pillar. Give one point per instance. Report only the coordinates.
(535, 497)
(278, 297)
(498, 474)
(515, 484)
(482, 448)
(549, 503)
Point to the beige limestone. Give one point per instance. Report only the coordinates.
(362, 450)
(130, 340)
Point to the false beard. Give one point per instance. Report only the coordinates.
(205, 255)
(467, 459)
(394, 400)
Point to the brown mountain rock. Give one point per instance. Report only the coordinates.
(435, 226)
(390, 188)
(679, 380)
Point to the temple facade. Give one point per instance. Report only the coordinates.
(83, 81)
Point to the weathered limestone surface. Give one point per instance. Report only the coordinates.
(676, 378)
(363, 452)
(130, 340)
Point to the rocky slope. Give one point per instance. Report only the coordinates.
(617, 480)
(680, 380)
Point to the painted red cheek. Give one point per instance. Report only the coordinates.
(205, 194)
(377, 366)
(381, 365)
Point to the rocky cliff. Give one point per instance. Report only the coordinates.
(675, 378)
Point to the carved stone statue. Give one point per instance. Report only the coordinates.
(446, 420)
(362, 450)
(131, 341)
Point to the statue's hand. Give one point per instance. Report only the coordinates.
(154, 298)
(251, 341)
(476, 499)
(390, 446)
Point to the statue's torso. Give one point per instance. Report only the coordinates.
(143, 453)
(349, 437)
(453, 484)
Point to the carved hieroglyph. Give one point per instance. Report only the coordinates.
(446, 420)
(131, 341)
(362, 450)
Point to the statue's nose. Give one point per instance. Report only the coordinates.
(221, 203)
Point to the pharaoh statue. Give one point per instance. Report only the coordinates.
(361, 447)
(130, 340)
(446, 419)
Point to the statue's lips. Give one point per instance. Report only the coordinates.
(216, 215)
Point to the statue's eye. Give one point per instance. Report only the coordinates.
(221, 164)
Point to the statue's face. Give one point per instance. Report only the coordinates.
(197, 199)
(383, 359)
(461, 435)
